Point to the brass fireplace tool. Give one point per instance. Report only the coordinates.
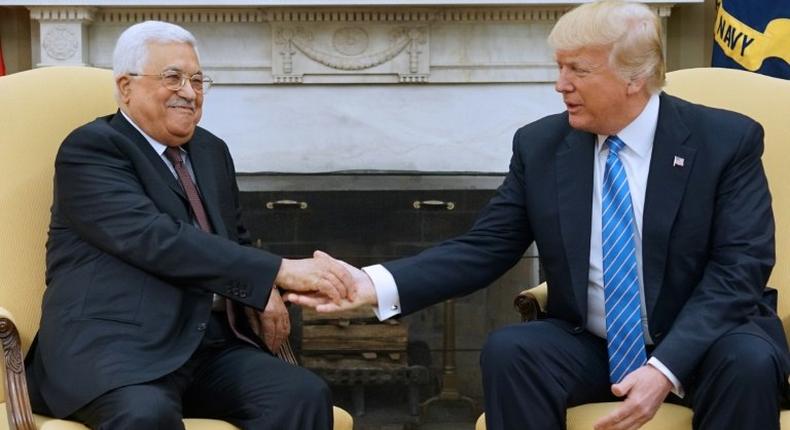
(449, 401)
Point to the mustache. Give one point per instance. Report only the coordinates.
(179, 102)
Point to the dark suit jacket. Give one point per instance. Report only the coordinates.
(129, 278)
(708, 231)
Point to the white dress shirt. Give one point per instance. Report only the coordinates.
(635, 156)
(160, 148)
(638, 138)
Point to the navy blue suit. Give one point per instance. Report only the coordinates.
(708, 237)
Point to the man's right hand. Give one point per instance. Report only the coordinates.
(321, 277)
(365, 294)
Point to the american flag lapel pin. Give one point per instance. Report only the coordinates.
(678, 161)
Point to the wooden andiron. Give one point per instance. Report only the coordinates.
(354, 349)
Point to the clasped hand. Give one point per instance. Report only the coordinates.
(321, 276)
(363, 292)
(320, 282)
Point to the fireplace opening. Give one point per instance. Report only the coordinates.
(383, 371)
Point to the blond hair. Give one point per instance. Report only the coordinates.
(632, 30)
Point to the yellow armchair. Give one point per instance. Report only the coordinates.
(764, 99)
(38, 108)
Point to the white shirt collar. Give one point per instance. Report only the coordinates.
(639, 134)
(157, 146)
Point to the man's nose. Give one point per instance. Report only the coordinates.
(562, 85)
(187, 92)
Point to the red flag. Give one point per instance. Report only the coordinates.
(2, 63)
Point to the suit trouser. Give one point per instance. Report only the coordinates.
(224, 379)
(533, 372)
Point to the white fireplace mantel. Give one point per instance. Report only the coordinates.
(339, 41)
(310, 86)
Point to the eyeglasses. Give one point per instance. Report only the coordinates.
(174, 81)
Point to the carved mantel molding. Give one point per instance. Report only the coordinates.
(346, 49)
(63, 34)
(262, 43)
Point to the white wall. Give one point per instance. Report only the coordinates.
(380, 127)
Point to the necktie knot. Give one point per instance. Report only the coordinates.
(615, 144)
(173, 153)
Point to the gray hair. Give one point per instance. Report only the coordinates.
(131, 50)
(632, 30)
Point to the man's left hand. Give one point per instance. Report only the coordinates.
(644, 390)
(273, 325)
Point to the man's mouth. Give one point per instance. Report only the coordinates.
(183, 108)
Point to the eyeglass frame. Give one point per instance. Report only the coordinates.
(205, 81)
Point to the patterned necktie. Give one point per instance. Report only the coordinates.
(624, 336)
(174, 155)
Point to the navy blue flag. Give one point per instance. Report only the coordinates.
(753, 35)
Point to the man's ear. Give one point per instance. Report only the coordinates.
(124, 84)
(636, 85)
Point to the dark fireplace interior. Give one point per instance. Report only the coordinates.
(364, 220)
(360, 227)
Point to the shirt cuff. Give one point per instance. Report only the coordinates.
(677, 388)
(386, 292)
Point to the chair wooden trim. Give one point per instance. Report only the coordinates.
(530, 303)
(20, 415)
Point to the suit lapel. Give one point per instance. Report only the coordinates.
(574, 194)
(204, 166)
(666, 184)
(123, 126)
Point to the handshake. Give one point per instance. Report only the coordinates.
(325, 284)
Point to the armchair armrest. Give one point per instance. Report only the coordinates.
(17, 400)
(531, 303)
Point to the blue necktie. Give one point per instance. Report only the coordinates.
(624, 336)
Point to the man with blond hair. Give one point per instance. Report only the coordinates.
(653, 220)
(157, 307)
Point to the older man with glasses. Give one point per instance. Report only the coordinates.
(156, 308)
